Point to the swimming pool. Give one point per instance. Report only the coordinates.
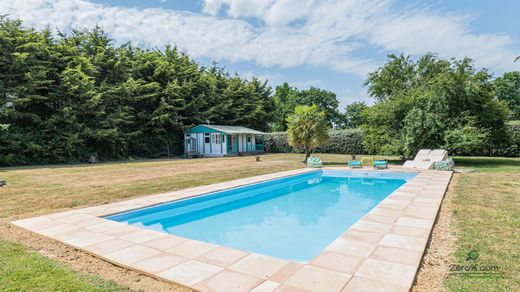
(292, 218)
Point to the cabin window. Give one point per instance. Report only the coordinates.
(216, 138)
(248, 138)
(206, 137)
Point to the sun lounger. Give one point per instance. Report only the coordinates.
(380, 164)
(421, 160)
(425, 158)
(422, 155)
(355, 164)
(438, 155)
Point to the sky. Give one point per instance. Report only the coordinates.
(330, 44)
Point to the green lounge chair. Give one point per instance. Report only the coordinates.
(380, 164)
(355, 164)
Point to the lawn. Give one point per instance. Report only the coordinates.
(486, 212)
(486, 216)
(24, 270)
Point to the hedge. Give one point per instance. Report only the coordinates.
(513, 150)
(349, 142)
(340, 142)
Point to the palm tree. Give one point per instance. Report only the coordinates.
(307, 127)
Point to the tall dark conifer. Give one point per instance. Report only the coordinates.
(65, 98)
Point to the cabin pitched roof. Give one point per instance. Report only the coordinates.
(231, 129)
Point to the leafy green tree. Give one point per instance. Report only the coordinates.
(421, 130)
(430, 98)
(402, 76)
(326, 102)
(307, 127)
(465, 140)
(508, 89)
(353, 114)
(286, 98)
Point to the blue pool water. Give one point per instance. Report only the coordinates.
(293, 218)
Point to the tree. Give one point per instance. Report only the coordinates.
(353, 114)
(286, 98)
(68, 96)
(326, 102)
(429, 99)
(307, 127)
(508, 89)
(465, 140)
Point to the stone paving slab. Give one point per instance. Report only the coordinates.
(380, 252)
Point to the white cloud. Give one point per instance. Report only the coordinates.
(272, 12)
(285, 11)
(447, 35)
(346, 36)
(338, 28)
(195, 33)
(237, 8)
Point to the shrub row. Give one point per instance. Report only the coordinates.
(340, 142)
(350, 142)
(513, 150)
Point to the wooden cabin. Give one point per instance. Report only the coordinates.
(216, 140)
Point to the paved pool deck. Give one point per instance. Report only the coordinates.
(381, 252)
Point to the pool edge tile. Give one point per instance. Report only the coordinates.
(425, 192)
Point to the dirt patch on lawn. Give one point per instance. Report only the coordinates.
(84, 262)
(439, 252)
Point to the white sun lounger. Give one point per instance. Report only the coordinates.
(421, 160)
(438, 155)
(425, 158)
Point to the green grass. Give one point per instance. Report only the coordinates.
(23, 270)
(489, 164)
(487, 219)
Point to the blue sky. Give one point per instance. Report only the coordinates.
(331, 44)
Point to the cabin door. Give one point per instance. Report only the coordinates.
(232, 146)
(207, 143)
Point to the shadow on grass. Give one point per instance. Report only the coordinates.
(487, 162)
(334, 163)
(85, 164)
